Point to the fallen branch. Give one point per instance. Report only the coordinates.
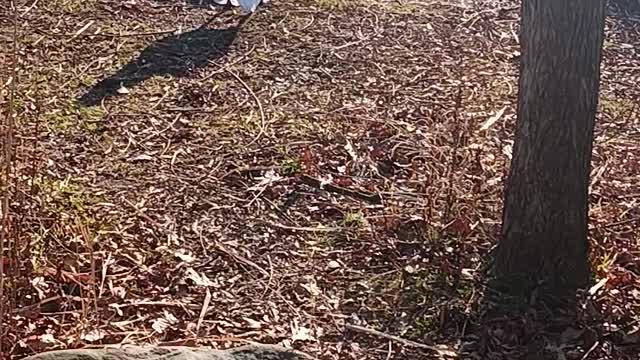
(219, 246)
(368, 197)
(263, 121)
(303, 228)
(441, 352)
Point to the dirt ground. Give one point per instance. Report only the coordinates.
(324, 175)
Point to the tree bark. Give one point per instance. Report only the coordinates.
(544, 234)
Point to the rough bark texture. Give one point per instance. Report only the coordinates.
(544, 234)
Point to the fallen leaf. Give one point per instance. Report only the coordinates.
(492, 120)
(199, 279)
(594, 289)
(312, 288)
(50, 339)
(300, 332)
(269, 177)
(180, 254)
(122, 90)
(93, 335)
(253, 323)
(507, 150)
(162, 324)
(142, 157)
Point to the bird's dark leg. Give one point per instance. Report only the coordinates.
(245, 19)
(226, 8)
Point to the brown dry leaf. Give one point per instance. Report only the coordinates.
(160, 325)
(492, 120)
(252, 323)
(300, 332)
(599, 285)
(93, 335)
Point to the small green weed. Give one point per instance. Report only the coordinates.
(63, 196)
(87, 118)
(291, 166)
(332, 4)
(617, 108)
(355, 218)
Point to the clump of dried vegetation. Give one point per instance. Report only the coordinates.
(326, 176)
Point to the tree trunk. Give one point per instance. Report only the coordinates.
(544, 235)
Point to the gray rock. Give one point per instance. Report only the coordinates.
(249, 352)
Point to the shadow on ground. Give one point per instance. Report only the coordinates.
(625, 12)
(176, 55)
(545, 324)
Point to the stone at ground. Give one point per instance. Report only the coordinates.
(249, 352)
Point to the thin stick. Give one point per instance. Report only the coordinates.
(443, 352)
(29, 8)
(7, 162)
(107, 35)
(451, 168)
(240, 258)
(89, 244)
(203, 311)
(360, 195)
(83, 29)
(36, 305)
(591, 349)
(258, 102)
(622, 222)
(302, 228)
(140, 34)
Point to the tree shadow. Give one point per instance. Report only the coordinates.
(545, 324)
(506, 325)
(176, 55)
(624, 8)
(625, 15)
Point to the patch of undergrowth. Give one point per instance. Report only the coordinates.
(63, 214)
(291, 166)
(424, 302)
(404, 8)
(73, 116)
(444, 292)
(63, 198)
(291, 163)
(335, 4)
(617, 108)
(355, 218)
(424, 298)
(71, 6)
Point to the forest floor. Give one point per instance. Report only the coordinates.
(326, 169)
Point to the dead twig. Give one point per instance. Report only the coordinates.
(303, 228)
(621, 222)
(37, 305)
(241, 258)
(7, 169)
(375, 199)
(203, 311)
(441, 351)
(263, 120)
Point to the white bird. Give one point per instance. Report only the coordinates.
(246, 5)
